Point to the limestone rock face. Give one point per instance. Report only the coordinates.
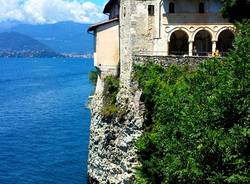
(112, 152)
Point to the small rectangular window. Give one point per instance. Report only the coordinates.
(124, 11)
(171, 7)
(151, 10)
(201, 8)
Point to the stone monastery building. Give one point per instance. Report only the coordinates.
(191, 28)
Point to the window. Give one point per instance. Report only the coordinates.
(171, 7)
(151, 10)
(124, 11)
(201, 8)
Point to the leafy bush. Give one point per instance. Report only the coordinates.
(111, 87)
(93, 75)
(235, 10)
(198, 128)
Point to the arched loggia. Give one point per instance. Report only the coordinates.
(225, 41)
(178, 43)
(203, 43)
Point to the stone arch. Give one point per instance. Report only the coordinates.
(223, 29)
(178, 44)
(225, 41)
(178, 29)
(203, 43)
(205, 29)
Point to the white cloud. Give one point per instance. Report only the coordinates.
(49, 11)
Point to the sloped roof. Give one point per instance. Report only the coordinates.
(93, 27)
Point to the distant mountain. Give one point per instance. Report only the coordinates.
(14, 44)
(64, 37)
(6, 25)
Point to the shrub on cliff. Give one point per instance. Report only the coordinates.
(93, 75)
(111, 87)
(198, 128)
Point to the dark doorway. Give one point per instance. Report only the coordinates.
(203, 43)
(225, 41)
(178, 43)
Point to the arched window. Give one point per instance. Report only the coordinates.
(201, 8)
(171, 7)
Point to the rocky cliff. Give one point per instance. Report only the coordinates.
(112, 153)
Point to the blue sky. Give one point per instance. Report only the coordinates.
(52, 11)
(99, 2)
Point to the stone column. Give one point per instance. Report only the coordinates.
(190, 48)
(167, 47)
(213, 46)
(157, 19)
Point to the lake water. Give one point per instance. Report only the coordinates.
(44, 120)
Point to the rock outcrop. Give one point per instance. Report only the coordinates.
(112, 151)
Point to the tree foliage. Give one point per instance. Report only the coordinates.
(198, 127)
(236, 10)
(93, 76)
(111, 87)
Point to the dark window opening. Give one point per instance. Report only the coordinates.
(201, 8)
(124, 11)
(151, 10)
(171, 7)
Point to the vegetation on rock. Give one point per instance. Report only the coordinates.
(111, 87)
(198, 122)
(93, 76)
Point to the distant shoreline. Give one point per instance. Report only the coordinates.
(43, 55)
(86, 56)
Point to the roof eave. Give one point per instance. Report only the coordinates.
(95, 26)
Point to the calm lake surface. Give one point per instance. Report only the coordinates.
(44, 120)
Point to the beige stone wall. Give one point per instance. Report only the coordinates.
(192, 6)
(193, 18)
(107, 46)
(137, 30)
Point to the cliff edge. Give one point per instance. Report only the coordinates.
(112, 152)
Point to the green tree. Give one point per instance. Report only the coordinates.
(236, 10)
(198, 125)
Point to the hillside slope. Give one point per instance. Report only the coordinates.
(63, 37)
(16, 44)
